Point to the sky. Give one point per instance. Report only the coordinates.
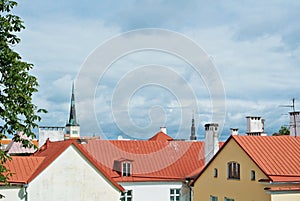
(250, 52)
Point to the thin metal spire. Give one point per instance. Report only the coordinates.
(72, 118)
(193, 129)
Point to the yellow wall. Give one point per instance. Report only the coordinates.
(240, 190)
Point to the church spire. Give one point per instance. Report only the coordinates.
(72, 127)
(72, 118)
(193, 130)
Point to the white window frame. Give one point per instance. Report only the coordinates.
(175, 194)
(126, 169)
(126, 196)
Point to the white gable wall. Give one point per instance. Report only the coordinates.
(71, 177)
(150, 191)
(12, 193)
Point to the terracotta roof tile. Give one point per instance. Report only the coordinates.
(23, 167)
(277, 156)
(152, 160)
(161, 136)
(288, 188)
(51, 150)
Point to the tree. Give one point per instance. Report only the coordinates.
(17, 112)
(283, 131)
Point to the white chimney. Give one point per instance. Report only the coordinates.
(255, 125)
(234, 131)
(163, 129)
(295, 123)
(211, 146)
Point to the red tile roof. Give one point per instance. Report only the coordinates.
(151, 160)
(277, 156)
(23, 167)
(51, 150)
(26, 168)
(161, 136)
(279, 189)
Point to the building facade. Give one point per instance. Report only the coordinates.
(252, 168)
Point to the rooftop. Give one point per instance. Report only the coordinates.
(277, 156)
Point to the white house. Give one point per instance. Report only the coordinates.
(154, 169)
(59, 171)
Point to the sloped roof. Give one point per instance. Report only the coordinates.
(26, 168)
(18, 148)
(277, 156)
(51, 150)
(151, 160)
(22, 167)
(161, 136)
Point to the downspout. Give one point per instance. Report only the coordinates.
(25, 186)
(191, 193)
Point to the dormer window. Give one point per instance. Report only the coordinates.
(123, 166)
(126, 168)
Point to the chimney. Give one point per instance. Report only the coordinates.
(294, 125)
(255, 126)
(234, 131)
(211, 146)
(163, 129)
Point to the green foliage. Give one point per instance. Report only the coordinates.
(17, 112)
(282, 131)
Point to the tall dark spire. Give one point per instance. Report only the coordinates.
(193, 130)
(72, 118)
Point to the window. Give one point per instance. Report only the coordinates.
(213, 198)
(228, 199)
(126, 169)
(233, 170)
(174, 194)
(126, 196)
(215, 172)
(252, 175)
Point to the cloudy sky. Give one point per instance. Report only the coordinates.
(254, 49)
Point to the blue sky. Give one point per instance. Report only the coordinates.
(254, 46)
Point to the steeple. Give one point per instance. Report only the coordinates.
(72, 127)
(72, 118)
(193, 130)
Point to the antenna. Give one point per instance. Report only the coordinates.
(293, 113)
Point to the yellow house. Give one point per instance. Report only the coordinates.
(252, 168)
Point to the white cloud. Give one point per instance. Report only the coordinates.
(256, 53)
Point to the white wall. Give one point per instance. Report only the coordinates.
(12, 193)
(151, 191)
(285, 197)
(71, 177)
(51, 133)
